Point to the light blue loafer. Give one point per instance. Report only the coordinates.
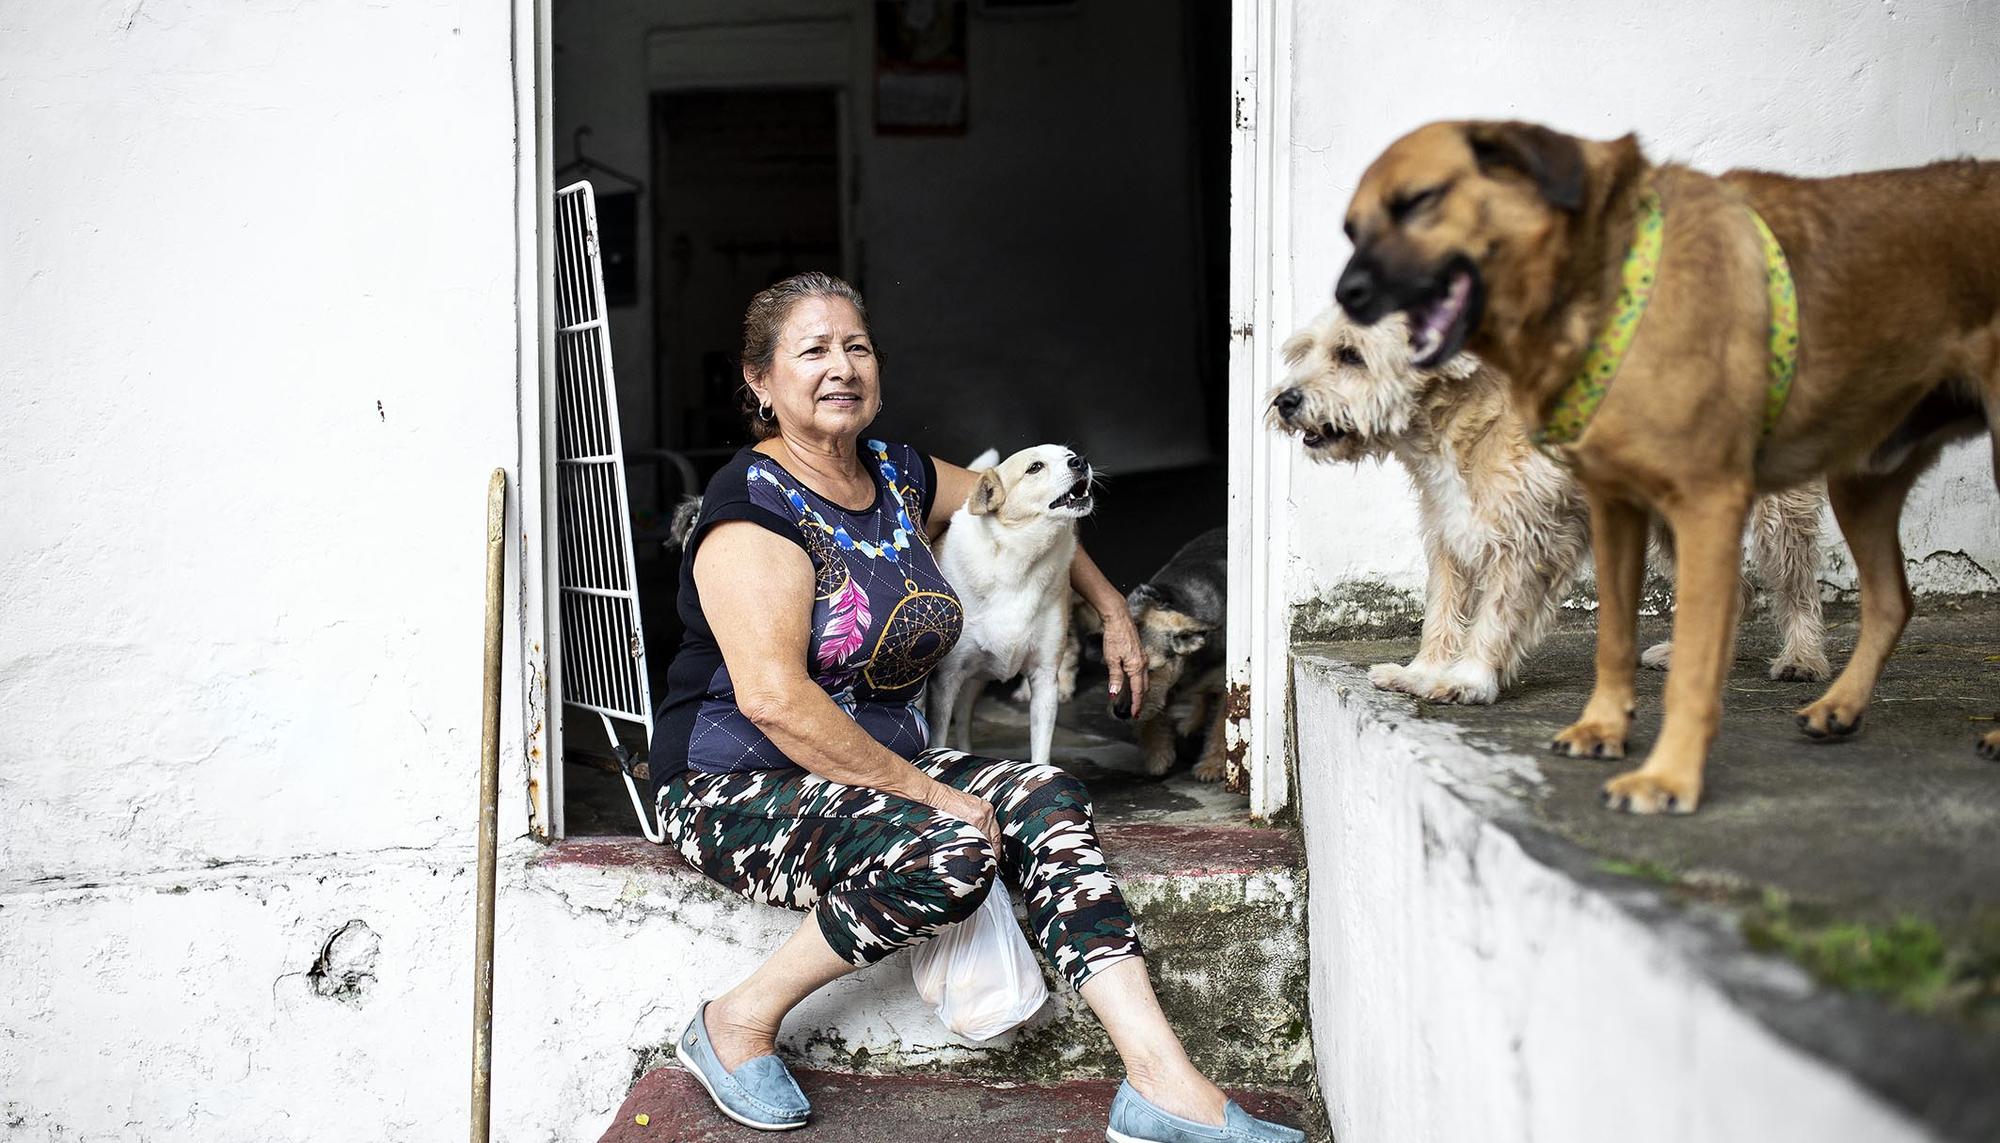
(1133, 1120)
(760, 1094)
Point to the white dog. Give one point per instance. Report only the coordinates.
(1505, 527)
(1007, 554)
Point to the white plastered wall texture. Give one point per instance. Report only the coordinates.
(258, 340)
(1799, 86)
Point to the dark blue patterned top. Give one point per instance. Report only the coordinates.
(883, 614)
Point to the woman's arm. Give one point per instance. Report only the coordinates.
(1124, 657)
(954, 484)
(763, 624)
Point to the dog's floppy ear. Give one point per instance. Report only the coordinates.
(1187, 642)
(1296, 347)
(988, 495)
(1552, 160)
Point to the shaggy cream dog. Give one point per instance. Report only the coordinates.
(1505, 527)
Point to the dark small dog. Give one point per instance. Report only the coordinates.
(1179, 613)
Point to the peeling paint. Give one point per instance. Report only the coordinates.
(1358, 609)
(345, 968)
(1236, 714)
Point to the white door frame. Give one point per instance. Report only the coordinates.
(1259, 471)
(534, 494)
(1260, 291)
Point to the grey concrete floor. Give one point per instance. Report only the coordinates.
(1902, 817)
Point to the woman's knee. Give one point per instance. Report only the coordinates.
(951, 876)
(1050, 790)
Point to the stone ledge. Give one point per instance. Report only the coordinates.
(1506, 982)
(1219, 907)
(911, 1109)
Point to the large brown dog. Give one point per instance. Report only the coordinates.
(1508, 239)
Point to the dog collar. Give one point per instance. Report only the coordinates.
(1784, 295)
(1579, 399)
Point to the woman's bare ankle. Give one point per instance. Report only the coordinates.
(1180, 1091)
(737, 1040)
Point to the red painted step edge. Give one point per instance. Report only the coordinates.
(902, 1109)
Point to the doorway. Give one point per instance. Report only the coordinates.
(1045, 253)
(748, 194)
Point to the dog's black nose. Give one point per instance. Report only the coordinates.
(1356, 292)
(1287, 402)
(1075, 463)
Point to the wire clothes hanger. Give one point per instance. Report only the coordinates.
(584, 163)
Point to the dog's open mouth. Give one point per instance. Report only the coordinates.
(1078, 496)
(1440, 324)
(1323, 436)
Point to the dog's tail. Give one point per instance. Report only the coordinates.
(685, 514)
(985, 460)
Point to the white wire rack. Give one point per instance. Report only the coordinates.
(603, 649)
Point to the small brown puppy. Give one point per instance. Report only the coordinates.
(1509, 239)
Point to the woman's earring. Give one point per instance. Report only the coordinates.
(764, 413)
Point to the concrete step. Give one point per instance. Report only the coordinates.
(1219, 907)
(911, 1109)
(1497, 956)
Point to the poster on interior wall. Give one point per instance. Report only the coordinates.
(920, 85)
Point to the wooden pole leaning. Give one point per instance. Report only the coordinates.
(489, 812)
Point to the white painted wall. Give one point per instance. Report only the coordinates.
(258, 338)
(1803, 86)
(1015, 275)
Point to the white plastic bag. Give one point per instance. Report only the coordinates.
(980, 974)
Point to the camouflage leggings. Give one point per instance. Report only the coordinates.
(881, 872)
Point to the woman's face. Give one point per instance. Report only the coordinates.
(822, 381)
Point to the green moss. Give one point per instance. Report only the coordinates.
(1905, 960)
(1908, 961)
(1642, 870)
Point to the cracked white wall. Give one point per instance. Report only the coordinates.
(1800, 86)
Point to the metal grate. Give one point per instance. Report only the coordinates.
(603, 650)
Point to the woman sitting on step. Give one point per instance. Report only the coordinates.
(789, 755)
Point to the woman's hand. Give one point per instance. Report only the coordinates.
(1124, 656)
(954, 802)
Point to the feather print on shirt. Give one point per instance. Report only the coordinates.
(846, 629)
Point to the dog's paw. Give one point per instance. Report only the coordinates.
(1463, 683)
(1210, 770)
(1658, 657)
(1396, 677)
(1158, 762)
(1831, 717)
(1021, 694)
(1794, 667)
(1646, 791)
(1588, 739)
(1989, 747)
